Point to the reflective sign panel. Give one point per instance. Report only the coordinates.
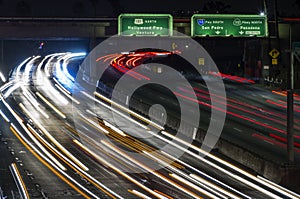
(145, 25)
(228, 25)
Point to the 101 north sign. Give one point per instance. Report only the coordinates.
(145, 25)
(229, 25)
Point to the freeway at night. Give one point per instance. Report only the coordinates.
(168, 100)
(54, 144)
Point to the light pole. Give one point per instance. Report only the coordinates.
(290, 104)
(270, 7)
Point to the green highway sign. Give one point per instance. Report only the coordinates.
(145, 25)
(229, 25)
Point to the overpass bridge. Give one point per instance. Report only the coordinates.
(227, 52)
(67, 28)
(57, 28)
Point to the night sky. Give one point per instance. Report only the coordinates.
(109, 8)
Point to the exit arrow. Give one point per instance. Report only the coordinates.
(241, 32)
(217, 32)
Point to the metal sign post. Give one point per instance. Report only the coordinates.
(290, 106)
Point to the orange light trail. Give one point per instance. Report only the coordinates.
(109, 56)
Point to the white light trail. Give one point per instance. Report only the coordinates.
(114, 110)
(148, 169)
(18, 68)
(97, 126)
(53, 140)
(51, 163)
(62, 115)
(139, 194)
(11, 89)
(2, 77)
(66, 94)
(28, 68)
(184, 181)
(207, 176)
(103, 161)
(223, 162)
(250, 184)
(129, 111)
(34, 102)
(4, 116)
(209, 187)
(19, 181)
(114, 128)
